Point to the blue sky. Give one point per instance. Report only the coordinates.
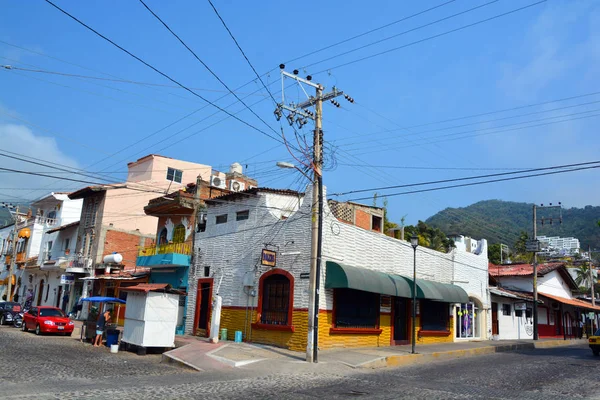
(543, 53)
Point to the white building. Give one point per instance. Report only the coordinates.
(555, 245)
(465, 243)
(559, 312)
(255, 253)
(51, 242)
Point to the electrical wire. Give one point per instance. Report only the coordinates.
(162, 73)
(485, 182)
(430, 37)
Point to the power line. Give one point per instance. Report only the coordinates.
(400, 34)
(370, 31)
(43, 71)
(484, 182)
(241, 50)
(432, 37)
(206, 66)
(162, 73)
(429, 168)
(466, 178)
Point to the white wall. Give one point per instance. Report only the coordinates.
(511, 327)
(552, 283)
(233, 248)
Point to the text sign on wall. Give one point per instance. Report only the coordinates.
(521, 306)
(268, 258)
(67, 279)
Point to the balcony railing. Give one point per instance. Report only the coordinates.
(179, 248)
(21, 257)
(46, 221)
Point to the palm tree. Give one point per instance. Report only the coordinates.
(582, 276)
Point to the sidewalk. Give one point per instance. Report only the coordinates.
(199, 354)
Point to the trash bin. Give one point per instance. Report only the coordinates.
(112, 337)
(238, 337)
(224, 334)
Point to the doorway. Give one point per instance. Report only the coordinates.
(203, 307)
(557, 323)
(400, 324)
(59, 296)
(495, 328)
(40, 293)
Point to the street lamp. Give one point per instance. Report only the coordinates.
(414, 242)
(312, 347)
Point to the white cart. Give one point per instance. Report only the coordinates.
(150, 316)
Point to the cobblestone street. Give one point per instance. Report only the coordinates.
(51, 367)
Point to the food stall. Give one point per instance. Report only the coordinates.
(88, 330)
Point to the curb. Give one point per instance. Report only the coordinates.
(412, 359)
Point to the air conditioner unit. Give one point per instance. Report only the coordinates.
(217, 182)
(236, 186)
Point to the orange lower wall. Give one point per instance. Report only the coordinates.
(233, 319)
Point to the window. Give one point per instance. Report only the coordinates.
(518, 313)
(66, 244)
(376, 223)
(221, 219)
(434, 315)
(529, 313)
(276, 298)
(174, 175)
(506, 309)
(355, 309)
(467, 321)
(162, 236)
(52, 215)
(201, 226)
(179, 234)
(242, 215)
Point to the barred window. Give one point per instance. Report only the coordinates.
(275, 300)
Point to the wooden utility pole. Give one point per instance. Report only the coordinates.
(535, 293)
(592, 278)
(299, 113)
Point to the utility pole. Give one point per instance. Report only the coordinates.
(534, 246)
(298, 114)
(13, 260)
(591, 275)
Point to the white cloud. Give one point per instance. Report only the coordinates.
(20, 139)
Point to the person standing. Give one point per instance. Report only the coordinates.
(580, 329)
(100, 327)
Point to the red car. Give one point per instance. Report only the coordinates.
(47, 320)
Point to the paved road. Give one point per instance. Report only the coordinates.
(46, 367)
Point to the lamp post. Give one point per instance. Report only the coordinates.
(414, 242)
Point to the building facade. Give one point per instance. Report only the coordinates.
(255, 254)
(559, 311)
(558, 246)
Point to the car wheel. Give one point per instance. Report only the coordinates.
(24, 327)
(2, 320)
(38, 331)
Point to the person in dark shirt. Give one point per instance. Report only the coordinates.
(100, 327)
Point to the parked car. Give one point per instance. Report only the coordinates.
(47, 320)
(594, 342)
(8, 310)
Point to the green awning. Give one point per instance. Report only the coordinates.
(344, 276)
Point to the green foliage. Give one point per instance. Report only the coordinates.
(503, 221)
(429, 237)
(582, 277)
(494, 253)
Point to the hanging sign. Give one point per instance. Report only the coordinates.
(67, 279)
(520, 306)
(268, 258)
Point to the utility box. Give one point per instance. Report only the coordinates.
(151, 315)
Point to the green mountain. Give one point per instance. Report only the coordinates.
(501, 222)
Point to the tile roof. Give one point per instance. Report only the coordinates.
(254, 192)
(571, 302)
(514, 294)
(152, 287)
(63, 227)
(522, 269)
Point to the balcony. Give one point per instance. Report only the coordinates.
(76, 264)
(21, 258)
(165, 255)
(48, 222)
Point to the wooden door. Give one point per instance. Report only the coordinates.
(203, 307)
(495, 327)
(400, 320)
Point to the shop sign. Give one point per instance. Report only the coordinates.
(591, 315)
(520, 306)
(268, 258)
(305, 275)
(67, 279)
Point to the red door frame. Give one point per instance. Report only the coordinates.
(199, 303)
